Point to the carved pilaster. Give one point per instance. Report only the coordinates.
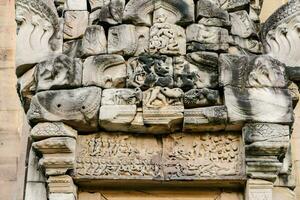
(259, 190)
(61, 188)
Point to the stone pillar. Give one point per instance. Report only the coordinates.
(295, 148)
(257, 189)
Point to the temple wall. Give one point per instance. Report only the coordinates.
(13, 132)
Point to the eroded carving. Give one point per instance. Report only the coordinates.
(75, 24)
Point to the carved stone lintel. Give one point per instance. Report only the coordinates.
(56, 129)
(106, 71)
(205, 119)
(78, 108)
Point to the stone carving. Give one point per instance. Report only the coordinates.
(122, 40)
(118, 110)
(119, 156)
(205, 119)
(73, 48)
(78, 108)
(242, 25)
(94, 41)
(107, 71)
(163, 106)
(259, 189)
(76, 23)
(106, 156)
(110, 11)
(38, 34)
(75, 5)
(252, 71)
(26, 88)
(61, 187)
(275, 105)
(192, 157)
(58, 72)
(47, 130)
(58, 154)
(210, 9)
(280, 34)
(265, 142)
(251, 45)
(150, 70)
(201, 97)
(168, 39)
(201, 37)
(143, 37)
(196, 70)
(139, 12)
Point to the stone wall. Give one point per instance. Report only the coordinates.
(12, 142)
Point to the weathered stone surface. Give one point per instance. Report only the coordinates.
(201, 97)
(122, 97)
(280, 34)
(168, 39)
(58, 154)
(148, 71)
(59, 196)
(196, 70)
(232, 5)
(200, 37)
(251, 71)
(143, 37)
(214, 22)
(75, 5)
(106, 71)
(211, 9)
(76, 23)
(78, 108)
(122, 40)
(258, 189)
(61, 184)
(107, 156)
(26, 88)
(39, 33)
(174, 11)
(205, 119)
(251, 45)
(110, 11)
(119, 156)
(163, 107)
(47, 130)
(192, 157)
(94, 41)
(72, 48)
(139, 12)
(242, 25)
(272, 105)
(118, 110)
(58, 72)
(265, 145)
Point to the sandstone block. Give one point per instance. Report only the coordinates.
(75, 5)
(76, 23)
(106, 71)
(242, 25)
(201, 97)
(78, 108)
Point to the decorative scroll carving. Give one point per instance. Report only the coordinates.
(150, 70)
(280, 34)
(78, 108)
(107, 156)
(39, 33)
(168, 39)
(139, 12)
(196, 157)
(58, 72)
(107, 71)
(242, 25)
(196, 70)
